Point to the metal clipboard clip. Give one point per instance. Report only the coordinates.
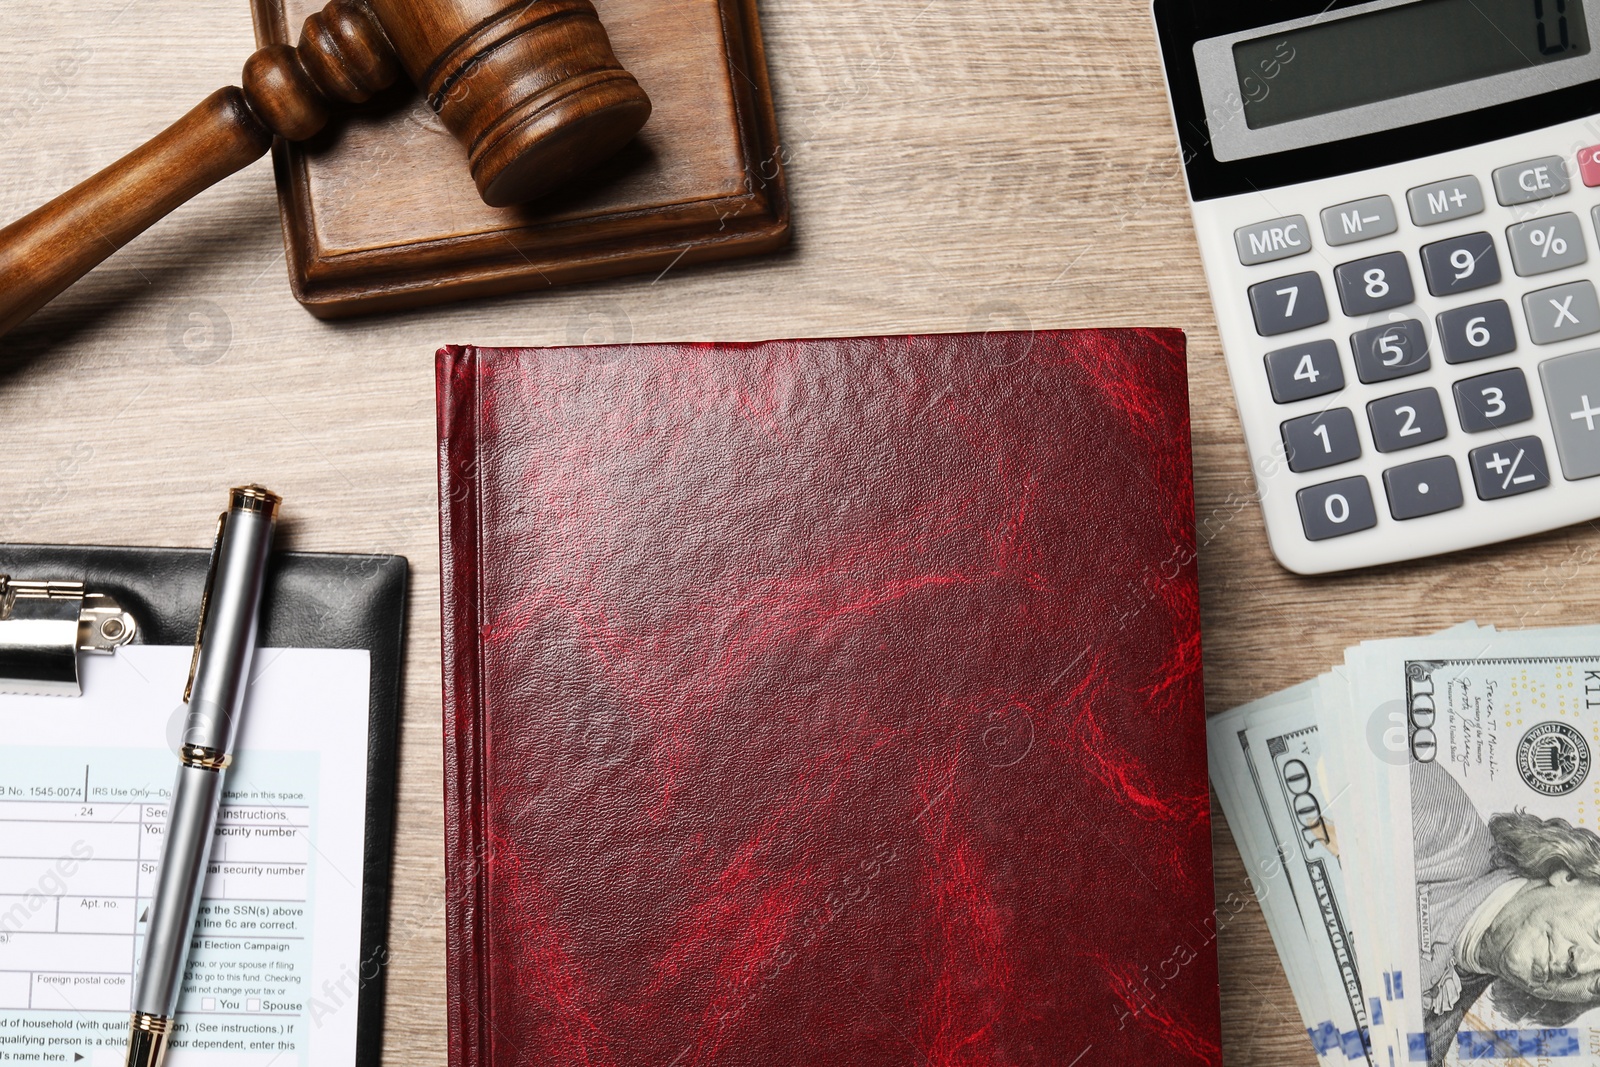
(43, 627)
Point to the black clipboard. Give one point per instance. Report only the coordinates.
(312, 600)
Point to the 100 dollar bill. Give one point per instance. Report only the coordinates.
(1479, 866)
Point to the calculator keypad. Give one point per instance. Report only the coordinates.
(1288, 304)
(1460, 264)
(1493, 401)
(1304, 371)
(1384, 353)
(1552, 243)
(1477, 331)
(1562, 312)
(1368, 286)
(1572, 393)
(1406, 420)
(1410, 424)
(1426, 487)
(1325, 439)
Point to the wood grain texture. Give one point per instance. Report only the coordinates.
(952, 167)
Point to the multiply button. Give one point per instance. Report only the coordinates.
(1562, 312)
(1572, 393)
(1443, 201)
(1537, 179)
(1509, 468)
(1277, 239)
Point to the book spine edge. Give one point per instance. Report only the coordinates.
(458, 385)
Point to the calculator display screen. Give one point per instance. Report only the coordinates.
(1431, 44)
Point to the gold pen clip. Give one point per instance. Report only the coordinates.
(205, 606)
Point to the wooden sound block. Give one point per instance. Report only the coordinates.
(380, 211)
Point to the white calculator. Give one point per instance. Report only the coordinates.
(1397, 205)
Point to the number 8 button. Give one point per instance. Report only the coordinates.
(1371, 285)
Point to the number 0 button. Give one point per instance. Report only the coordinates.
(1322, 440)
(1288, 304)
(1304, 371)
(1335, 509)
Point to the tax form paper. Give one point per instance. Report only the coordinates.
(274, 967)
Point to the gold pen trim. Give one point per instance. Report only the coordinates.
(256, 499)
(207, 759)
(147, 1040)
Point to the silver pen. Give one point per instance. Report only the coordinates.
(219, 674)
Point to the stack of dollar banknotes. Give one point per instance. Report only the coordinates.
(1418, 827)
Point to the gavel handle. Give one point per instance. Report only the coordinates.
(43, 253)
(343, 57)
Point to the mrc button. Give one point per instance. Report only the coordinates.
(1277, 239)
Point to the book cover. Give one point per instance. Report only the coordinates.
(825, 702)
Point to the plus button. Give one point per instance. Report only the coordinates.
(1587, 414)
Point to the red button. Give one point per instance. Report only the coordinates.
(1589, 166)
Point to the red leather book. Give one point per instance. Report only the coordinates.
(825, 703)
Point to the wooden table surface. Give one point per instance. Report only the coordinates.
(953, 166)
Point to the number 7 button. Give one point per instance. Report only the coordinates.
(1284, 305)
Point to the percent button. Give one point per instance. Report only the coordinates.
(1552, 243)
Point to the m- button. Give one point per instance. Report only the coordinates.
(1572, 393)
(1267, 241)
(1359, 220)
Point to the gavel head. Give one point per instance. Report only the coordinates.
(530, 87)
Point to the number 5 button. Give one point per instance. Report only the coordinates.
(1288, 304)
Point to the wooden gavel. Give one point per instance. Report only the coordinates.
(530, 87)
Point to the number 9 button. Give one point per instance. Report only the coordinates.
(1460, 264)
